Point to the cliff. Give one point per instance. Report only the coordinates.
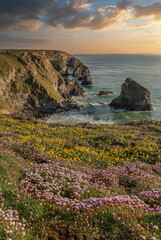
(133, 97)
(33, 81)
(82, 73)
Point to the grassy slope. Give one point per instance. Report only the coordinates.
(48, 81)
(45, 76)
(7, 62)
(28, 145)
(20, 85)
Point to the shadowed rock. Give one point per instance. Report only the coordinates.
(133, 97)
(82, 73)
(103, 93)
(61, 67)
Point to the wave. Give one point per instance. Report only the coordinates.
(95, 104)
(73, 117)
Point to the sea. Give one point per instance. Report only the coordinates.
(108, 73)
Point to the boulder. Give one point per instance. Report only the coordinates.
(107, 93)
(133, 97)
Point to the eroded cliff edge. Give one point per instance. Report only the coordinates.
(33, 81)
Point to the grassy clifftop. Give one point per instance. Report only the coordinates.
(80, 181)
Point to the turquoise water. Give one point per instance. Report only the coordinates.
(108, 73)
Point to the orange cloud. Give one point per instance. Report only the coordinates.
(28, 25)
(81, 4)
(143, 25)
(146, 11)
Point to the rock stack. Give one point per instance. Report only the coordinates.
(133, 97)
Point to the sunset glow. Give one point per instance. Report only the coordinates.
(82, 26)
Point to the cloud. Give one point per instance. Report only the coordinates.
(73, 18)
(81, 4)
(23, 25)
(152, 32)
(31, 14)
(124, 4)
(146, 11)
(9, 41)
(22, 15)
(143, 25)
(28, 25)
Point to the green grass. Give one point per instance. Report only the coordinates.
(7, 62)
(19, 86)
(47, 85)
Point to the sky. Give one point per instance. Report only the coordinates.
(82, 26)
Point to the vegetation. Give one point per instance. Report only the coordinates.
(83, 181)
(4, 104)
(46, 84)
(7, 61)
(23, 75)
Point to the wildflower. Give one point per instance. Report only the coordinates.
(9, 232)
(142, 237)
(156, 228)
(23, 234)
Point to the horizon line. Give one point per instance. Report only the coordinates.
(76, 53)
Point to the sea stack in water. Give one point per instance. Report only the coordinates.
(133, 97)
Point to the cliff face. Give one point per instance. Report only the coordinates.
(82, 73)
(33, 81)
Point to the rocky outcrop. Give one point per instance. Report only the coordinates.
(61, 61)
(32, 82)
(60, 57)
(82, 73)
(87, 80)
(133, 97)
(107, 93)
(61, 67)
(72, 88)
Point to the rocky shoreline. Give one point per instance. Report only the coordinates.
(34, 82)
